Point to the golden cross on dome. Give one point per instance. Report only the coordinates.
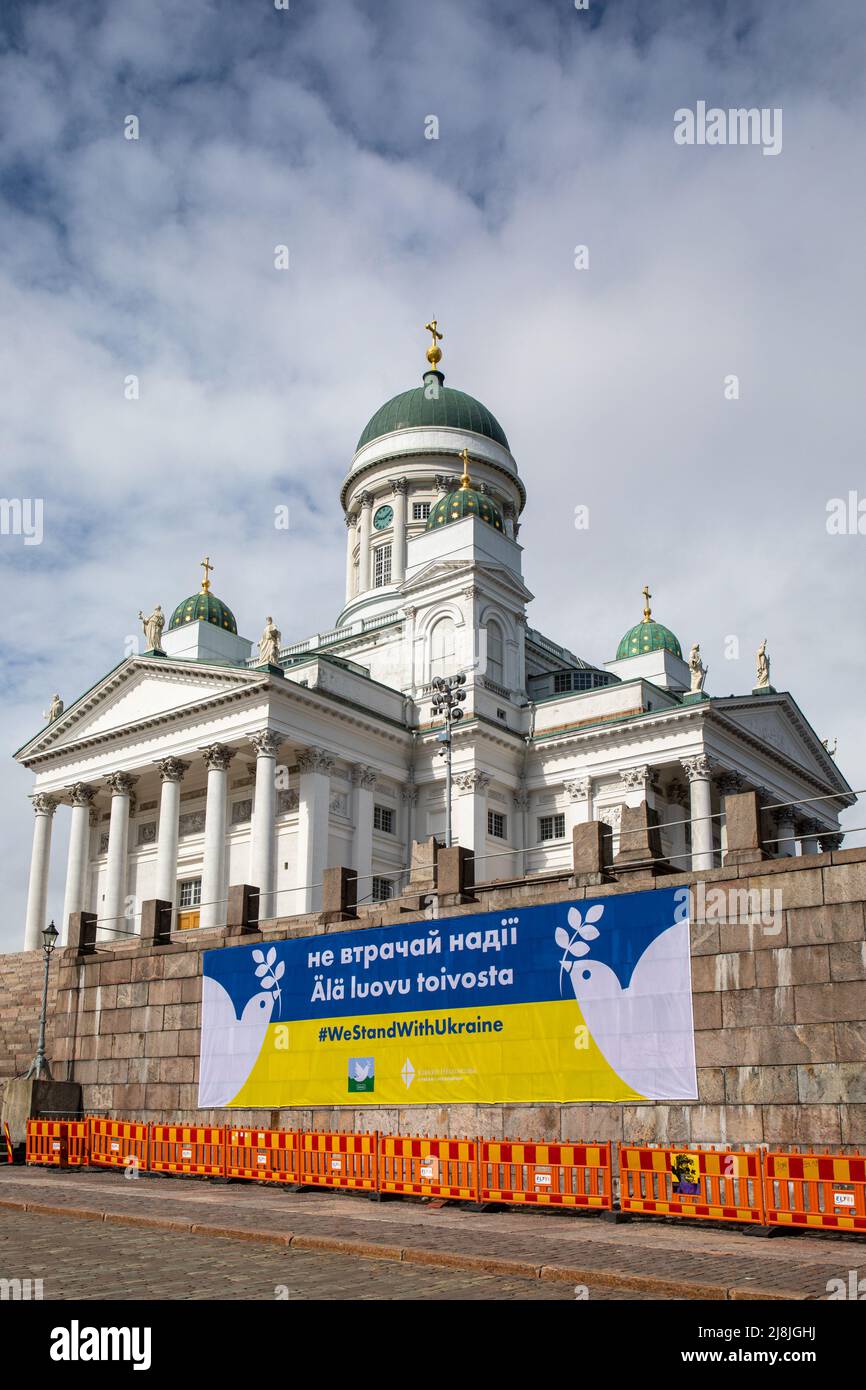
(647, 613)
(434, 351)
(207, 567)
(465, 481)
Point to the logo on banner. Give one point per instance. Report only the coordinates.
(362, 1075)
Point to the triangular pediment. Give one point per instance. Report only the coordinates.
(441, 571)
(139, 692)
(776, 722)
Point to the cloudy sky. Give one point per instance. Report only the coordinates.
(306, 127)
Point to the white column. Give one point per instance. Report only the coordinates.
(171, 770)
(264, 830)
(577, 807)
(471, 821)
(399, 487)
(76, 864)
(809, 837)
(213, 887)
(697, 769)
(113, 922)
(409, 797)
(786, 835)
(364, 782)
(366, 500)
(314, 808)
(520, 830)
(37, 893)
(351, 520)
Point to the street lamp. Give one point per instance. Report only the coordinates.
(448, 696)
(40, 1061)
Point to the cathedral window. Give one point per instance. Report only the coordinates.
(551, 827)
(420, 511)
(443, 645)
(381, 566)
(382, 888)
(383, 819)
(561, 682)
(189, 892)
(496, 825)
(495, 658)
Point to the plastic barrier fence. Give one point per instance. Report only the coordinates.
(7, 1137)
(819, 1190)
(688, 1180)
(46, 1142)
(555, 1175)
(270, 1155)
(118, 1143)
(429, 1167)
(187, 1149)
(78, 1143)
(339, 1160)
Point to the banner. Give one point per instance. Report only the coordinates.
(581, 1001)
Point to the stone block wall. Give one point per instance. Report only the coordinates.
(21, 976)
(780, 1018)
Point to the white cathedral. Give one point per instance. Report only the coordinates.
(204, 763)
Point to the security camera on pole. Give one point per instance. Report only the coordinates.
(448, 696)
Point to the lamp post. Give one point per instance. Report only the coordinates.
(40, 1062)
(448, 696)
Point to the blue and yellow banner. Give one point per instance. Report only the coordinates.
(581, 1001)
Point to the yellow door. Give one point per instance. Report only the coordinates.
(187, 920)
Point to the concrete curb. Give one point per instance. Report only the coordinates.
(443, 1259)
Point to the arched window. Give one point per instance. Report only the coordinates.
(443, 646)
(495, 653)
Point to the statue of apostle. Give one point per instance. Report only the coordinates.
(269, 643)
(697, 668)
(153, 628)
(762, 665)
(55, 709)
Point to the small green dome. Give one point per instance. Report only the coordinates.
(648, 636)
(206, 608)
(444, 407)
(454, 506)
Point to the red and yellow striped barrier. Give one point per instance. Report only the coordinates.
(78, 1143)
(339, 1160)
(551, 1175)
(824, 1191)
(46, 1142)
(118, 1143)
(690, 1180)
(187, 1149)
(267, 1155)
(429, 1167)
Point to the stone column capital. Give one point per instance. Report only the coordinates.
(314, 760)
(696, 768)
(365, 499)
(634, 778)
(578, 788)
(399, 485)
(729, 783)
(409, 795)
(172, 769)
(350, 518)
(43, 804)
(472, 781)
(266, 742)
(831, 842)
(520, 800)
(363, 776)
(217, 756)
(121, 783)
(82, 794)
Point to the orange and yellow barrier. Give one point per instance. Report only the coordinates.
(429, 1167)
(757, 1187)
(269, 1155)
(691, 1180)
(10, 1158)
(554, 1175)
(46, 1142)
(118, 1143)
(823, 1191)
(339, 1160)
(187, 1149)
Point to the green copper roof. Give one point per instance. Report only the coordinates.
(435, 405)
(454, 506)
(648, 636)
(206, 608)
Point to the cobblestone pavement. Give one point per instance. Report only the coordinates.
(678, 1259)
(88, 1261)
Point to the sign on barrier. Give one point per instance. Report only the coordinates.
(118, 1143)
(269, 1155)
(187, 1149)
(556, 1175)
(818, 1190)
(688, 1180)
(429, 1167)
(339, 1160)
(46, 1142)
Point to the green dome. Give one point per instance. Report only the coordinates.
(449, 407)
(454, 506)
(648, 636)
(206, 608)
